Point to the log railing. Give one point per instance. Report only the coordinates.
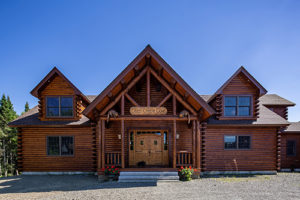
(113, 159)
(184, 158)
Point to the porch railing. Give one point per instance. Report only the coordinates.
(184, 158)
(113, 159)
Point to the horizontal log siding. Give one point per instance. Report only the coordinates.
(240, 86)
(290, 161)
(261, 156)
(185, 141)
(35, 153)
(58, 86)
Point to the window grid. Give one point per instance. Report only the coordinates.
(237, 142)
(291, 148)
(237, 107)
(59, 107)
(59, 146)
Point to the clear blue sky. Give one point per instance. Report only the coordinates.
(204, 41)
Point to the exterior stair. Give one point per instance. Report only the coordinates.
(147, 177)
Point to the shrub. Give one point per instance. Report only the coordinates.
(112, 170)
(185, 174)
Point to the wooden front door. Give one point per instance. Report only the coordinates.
(149, 148)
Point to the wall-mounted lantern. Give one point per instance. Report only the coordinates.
(177, 136)
(119, 136)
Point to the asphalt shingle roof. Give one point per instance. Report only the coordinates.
(266, 116)
(294, 127)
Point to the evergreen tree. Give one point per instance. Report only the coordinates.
(26, 106)
(8, 137)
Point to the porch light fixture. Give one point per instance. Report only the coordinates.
(177, 136)
(119, 136)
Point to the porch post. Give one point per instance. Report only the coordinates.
(198, 145)
(194, 143)
(122, 133)
(100, 165)
(174, 132)
(103, 142)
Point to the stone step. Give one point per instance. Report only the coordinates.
(148, 173)
(146, 181)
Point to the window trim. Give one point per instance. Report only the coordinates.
(295, 148)
(237, 106)
(237, 143)
(60, 136)
(59, 111)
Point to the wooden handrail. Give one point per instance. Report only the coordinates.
(184, 158)
(113, 158)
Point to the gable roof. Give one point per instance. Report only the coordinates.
(262, 90)
(47, 78)
(148, 50)
(294, 127)
(274, 99)
(31, 118)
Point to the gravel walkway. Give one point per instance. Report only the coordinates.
(282, 186)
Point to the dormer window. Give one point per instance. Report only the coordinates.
(237, 106)
(59, 106)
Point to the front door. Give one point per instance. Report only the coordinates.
(150, 148)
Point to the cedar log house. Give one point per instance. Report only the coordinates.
(149, 118)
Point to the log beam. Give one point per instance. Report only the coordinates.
(148, 88)
(179, 98)
(164, 100)
(130, 85)
(131, 100)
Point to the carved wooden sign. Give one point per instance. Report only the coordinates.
(148, 110)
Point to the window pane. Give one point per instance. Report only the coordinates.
(52, 102)
(230, 111)
(230, 101)
(66, 111)
(230, 142)
(52, 111)
(131, 141)
(244, 142)
(66, 102)
(66, 145)
(165, 141)
(244, 111)
(291, 148)
(53, 145)
(244, 101)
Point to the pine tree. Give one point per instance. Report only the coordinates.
(26, 106)
(8, 137)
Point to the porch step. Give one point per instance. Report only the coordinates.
(147, 176)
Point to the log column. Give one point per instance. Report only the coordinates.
(198, 146)
(174, 132)
(20, 150)
(103, 143)
(278, 150)
(194, 143)
(122, 133)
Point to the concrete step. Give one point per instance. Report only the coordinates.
(147, 177)
(148, 173)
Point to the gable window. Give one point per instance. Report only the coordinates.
(291, 148)
(60, 106)
(237, 106)
(237, 142)
(60, 145)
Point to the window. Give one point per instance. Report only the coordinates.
(59, 106)
(291, 148)
(237, 106)
(60, 145)
(237, 142)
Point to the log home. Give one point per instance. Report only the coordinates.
(148, 118)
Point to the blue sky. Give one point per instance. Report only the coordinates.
(204, 41)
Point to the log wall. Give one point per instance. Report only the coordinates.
(261, 156)
(34, 151)
(290, 161)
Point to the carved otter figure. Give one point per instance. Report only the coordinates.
(112, 113)
(185, 113)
